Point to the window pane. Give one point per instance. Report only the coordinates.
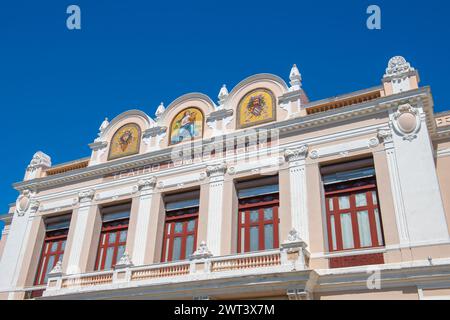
(254, 239)
(344, 202)
(112, 237)
(333, 232)
(191, 226)
(54, 246)
(243, 217)
(166, 254)
(330, 204)
(189, 246)
(109, 258)
(176, 254)
(374, 197)
(268, 236)
(364, 228)
(120, 252)
(378, 222)
(242, 239)
(268, 214)
(100, 258)
(123, 236)
(178, 227)
(347, 232)
(50, 264)
(361, 200)
(254, 215)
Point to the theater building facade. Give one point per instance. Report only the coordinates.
(260, 195)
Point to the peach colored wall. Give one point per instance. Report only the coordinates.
(284, 211)
(202, 231)
(409, 293)
(443, 173)
(2, 243)
(32, 253)
(229, 218)
(132, 225)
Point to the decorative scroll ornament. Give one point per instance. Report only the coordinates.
(385, 135)
(398, 66)
(293, 236)
(125, 261)
(40, 160)
(407, 122)
(34, 205)
(146, 184)
(216, 169)
(296, 154)
(202, 251)
(23, 202)
(57, 269)
(86, 196)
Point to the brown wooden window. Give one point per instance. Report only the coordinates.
(113, 237)
(352, 211)
(52, 251)
(180, 230)
(258, 218)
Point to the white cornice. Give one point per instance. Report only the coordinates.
(287, 127)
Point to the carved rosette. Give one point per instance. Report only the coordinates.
(86, 196)
(147, 184)
(296, 154)
(216, 170)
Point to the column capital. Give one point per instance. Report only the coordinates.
(295, 154)
(86, 196)
(147, 184)
(385, 135)
(216, 169)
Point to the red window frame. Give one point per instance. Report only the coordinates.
(351, 189)
(257, 203)
(108, 229)
(183, 216)
(60, 238)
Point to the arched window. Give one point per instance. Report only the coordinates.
(256, 107)
(186, 125)
(125, 141)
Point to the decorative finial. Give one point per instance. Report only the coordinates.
(201, 252)
(160, 110)
(102, 128)
(40, 160)
(296, 78)
(57, 269)
(398, 66)
(223, 94)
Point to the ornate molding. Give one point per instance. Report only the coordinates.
(398, 67)
(98, 145)
(406, 121)
(385, 135)
(39, 160)
(296, 154)
(216, 169)
(86, 196)
(57, 269)
(201, 252)
(147, 184)
(124, 262)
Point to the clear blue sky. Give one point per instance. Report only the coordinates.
(56, 85)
